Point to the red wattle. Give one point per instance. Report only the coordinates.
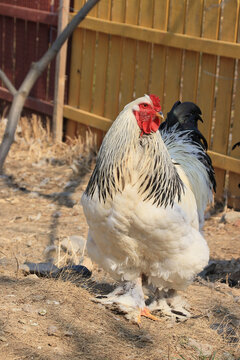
(155, 124)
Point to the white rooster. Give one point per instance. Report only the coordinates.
(145, 204)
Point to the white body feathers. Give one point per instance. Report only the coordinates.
(136, 228)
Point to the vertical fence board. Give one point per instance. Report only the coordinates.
(224, 94)
(85, 100)
(59, 75)
(75, 71)
(21, 52)
(1, 46)
(39, 90)
(174, 56)
(193, 27)
(144, 50)
(114, 64)
(51, 67)
(31, 51)
(87, 70)
(234, 179)
(101, 60)
(206, 95)
(129, 59)
(160, 21)
(101, 64)
(8, 48)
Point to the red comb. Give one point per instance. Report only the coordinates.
(156, 102)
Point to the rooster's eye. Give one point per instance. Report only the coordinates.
(145, 105)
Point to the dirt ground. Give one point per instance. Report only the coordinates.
(44, 318)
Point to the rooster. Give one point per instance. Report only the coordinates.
(145, 204)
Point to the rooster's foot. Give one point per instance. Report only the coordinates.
(146, 313)
(128, 298)
(173, 306)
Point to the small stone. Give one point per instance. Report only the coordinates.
(24, 269)
(52, 330)
(44, 182)
(32, 277)
(34, 217)
(33, 323)
(73, 244)
(42, 312)
(231, 217)
(50, 250)
(70, 184)
(16, 309)
(68, 333)
(227, 356)
(13, 201)
(57, 214)
(38, 297)
(145, 338)
(51, 206)
(33, 194)
(54, 302)
(28, 308)
(204, 349)
(22, 321)
(3, 338)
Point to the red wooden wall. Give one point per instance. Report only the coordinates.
(27, 29)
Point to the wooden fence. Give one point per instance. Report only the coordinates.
(177, 49)
(27, 28)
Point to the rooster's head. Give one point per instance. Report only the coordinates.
(147, 111)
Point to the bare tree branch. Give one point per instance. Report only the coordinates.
(33, 74)
(8, 83)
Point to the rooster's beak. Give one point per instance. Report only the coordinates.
(160, 115)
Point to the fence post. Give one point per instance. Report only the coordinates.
(60, 74)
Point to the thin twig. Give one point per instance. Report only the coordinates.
(8, 83)
(17, 272)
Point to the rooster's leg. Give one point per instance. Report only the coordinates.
(169, 304)
(129, 299)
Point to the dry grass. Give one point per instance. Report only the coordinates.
(33, 138)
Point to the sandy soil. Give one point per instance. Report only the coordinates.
(44, 318)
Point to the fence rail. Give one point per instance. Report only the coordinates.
(161, 37)
(177, 49)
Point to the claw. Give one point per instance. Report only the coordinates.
(146, 313)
